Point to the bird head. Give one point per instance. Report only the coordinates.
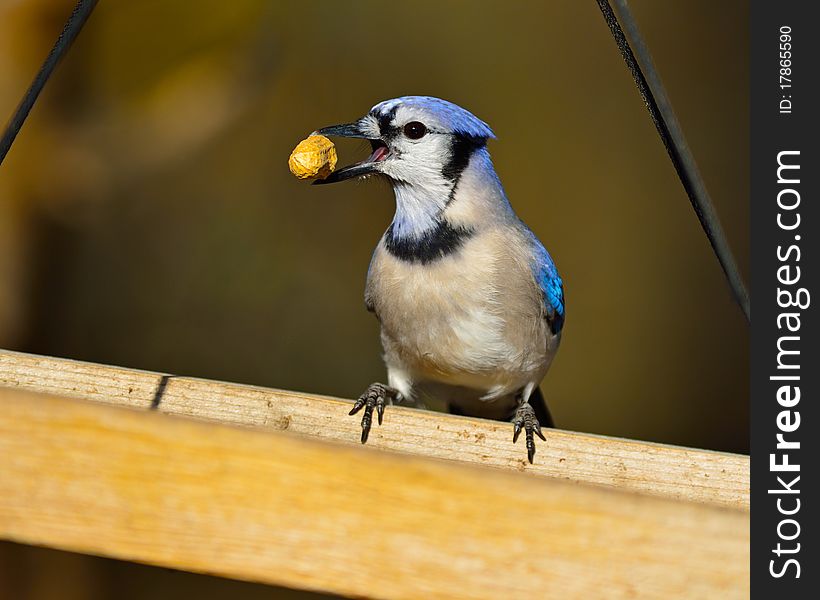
(417, 141)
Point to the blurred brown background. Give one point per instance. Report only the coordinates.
(147, 217)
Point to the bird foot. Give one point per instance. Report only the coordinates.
(525, 419)
(376, 396)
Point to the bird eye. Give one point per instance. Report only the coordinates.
(415, 130)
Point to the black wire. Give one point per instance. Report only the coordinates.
(660, 109)
(72, 28)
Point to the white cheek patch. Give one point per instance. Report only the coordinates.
(422, 192)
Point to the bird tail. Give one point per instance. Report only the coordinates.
(539, 405)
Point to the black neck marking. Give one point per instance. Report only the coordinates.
(435, 244)
(461, 150)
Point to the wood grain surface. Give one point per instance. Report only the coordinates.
(284, 509)
(656, 469)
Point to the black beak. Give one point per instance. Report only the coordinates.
(350, 130)
(366, 167)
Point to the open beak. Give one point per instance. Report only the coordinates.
(366, 167)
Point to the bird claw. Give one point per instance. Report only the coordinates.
(525, 419)
(376, 396)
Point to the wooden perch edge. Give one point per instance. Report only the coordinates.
(661, 470)
(277, 508)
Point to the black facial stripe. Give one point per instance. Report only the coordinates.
(385, 120)
(389, 133)
(461, 150)
(440, 241)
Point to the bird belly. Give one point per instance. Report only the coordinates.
(462, 346)
(448, 327)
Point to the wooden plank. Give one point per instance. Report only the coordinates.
(657, 469)
(282, 509)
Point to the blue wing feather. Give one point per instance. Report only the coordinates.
(551, 286)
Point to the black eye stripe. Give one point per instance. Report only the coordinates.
(385, 118)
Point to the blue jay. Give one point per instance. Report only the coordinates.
(470, 303)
